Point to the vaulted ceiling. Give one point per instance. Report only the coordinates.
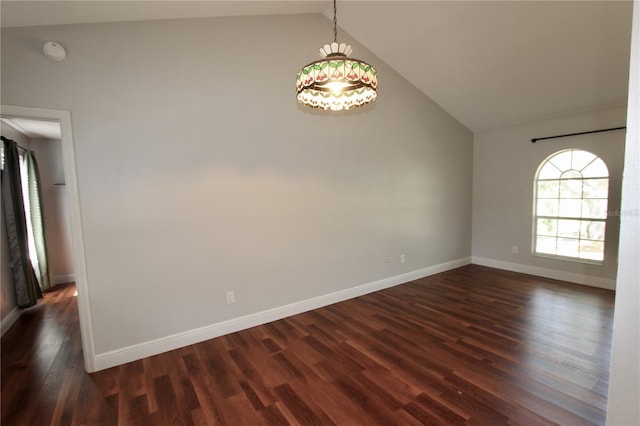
(490, 64)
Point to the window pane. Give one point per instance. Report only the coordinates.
(549, 171)
(548, 189)
(547, 208)
(571, 207)
(568, 247)
(562, 161)
(593, 250)
(569, 228)
(547, 227)
(546, 245)
(596, 169)
(592, 230)
(596, 188)
(593, 208)
(571, 174)
(571, 188)
(580, 159)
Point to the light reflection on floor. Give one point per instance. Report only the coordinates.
(564, 322)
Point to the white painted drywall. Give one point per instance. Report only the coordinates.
(624, 379)
(55, 206)
(505, 163)
(198, 172)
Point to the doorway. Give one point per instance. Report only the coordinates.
(44, 199)
(63, 121)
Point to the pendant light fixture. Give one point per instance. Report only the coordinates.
(337, 82)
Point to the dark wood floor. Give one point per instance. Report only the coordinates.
(469, 346)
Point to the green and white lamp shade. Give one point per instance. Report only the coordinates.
(337, 82)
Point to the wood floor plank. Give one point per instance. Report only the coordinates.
(471, 346)
(273, 415)
(300, 408)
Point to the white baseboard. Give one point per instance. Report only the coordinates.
(547, 273)
(8, 321)
(164, 344)
(63, 279)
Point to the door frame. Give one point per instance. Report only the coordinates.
(75, 218)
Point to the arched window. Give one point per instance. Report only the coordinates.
(570, 201)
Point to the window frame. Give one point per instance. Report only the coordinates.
(579, 218)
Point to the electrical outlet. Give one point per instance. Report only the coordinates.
(402, 258)
(231, 297)
(514, 249)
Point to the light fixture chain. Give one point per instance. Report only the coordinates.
(335, 22)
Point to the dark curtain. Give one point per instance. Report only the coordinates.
(24, 278)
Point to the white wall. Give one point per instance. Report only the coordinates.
(505, 163)
(198, 172)
(624, 383)
(55, 206)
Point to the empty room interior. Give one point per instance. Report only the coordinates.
(434, 220)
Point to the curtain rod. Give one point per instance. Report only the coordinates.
(534, 140)
(11, 140)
